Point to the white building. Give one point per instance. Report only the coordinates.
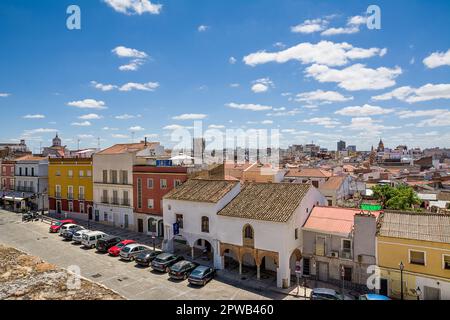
(31, 180)
(113, 183)
(258, 225)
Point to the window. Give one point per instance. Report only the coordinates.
(115, 197)
(139, 193)
(26, 171)
(105, 217)
(177, 183)
(20, 171)
(89, 173)
(81, 207)
(320, 246)
(124, 176)
(81, 173)
(105, 196)
(125, 200)
(151, 225)
(417, 257)
(330, 203)
(105, 176)
(58, 173)
(32, 172)
(150, 203)
(306, 266)
(70, 206)
(114, 176)
(205, 224)
(296, 233)
(346, 249)
(81, 192)
(149, 183)
(70, 192)
(163, 183)
(58, 191)
(70, 173)
(179, 219)
(315, 184)
(347, 274)
(248, 232)
(169, 207)
(446, 262)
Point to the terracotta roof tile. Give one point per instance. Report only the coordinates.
(309, 172)
(266, 201)
(124, 148)
(202, 190)
(333, 183)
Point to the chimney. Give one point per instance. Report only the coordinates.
(145, 141)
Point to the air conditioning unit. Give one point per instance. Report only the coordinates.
(334, 254)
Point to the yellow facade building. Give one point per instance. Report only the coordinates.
(418, 243)
(70, 187)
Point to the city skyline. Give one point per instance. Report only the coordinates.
(315, 73)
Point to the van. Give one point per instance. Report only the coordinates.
(89, 240)
(104, 244)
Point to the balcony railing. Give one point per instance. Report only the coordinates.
(25, 189)
(346, 254)
(105, 200)
(58, 195)
(126, 202)
(116, 201)
(81, 197)
(70, 196)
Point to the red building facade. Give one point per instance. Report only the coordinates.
(7, 175)
(150, 184)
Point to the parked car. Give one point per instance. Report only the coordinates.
(30, 216)
(89, 240)
(67, 226)
(201, 275)
(78, 236)
(130, 251)
(115, 250)
(328, 294)
(104, 244)
(146, 257)
(181, 270)
(67, 234)
(372, 296)
(164, 261)
(54, 228)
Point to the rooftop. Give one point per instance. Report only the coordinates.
(202, 190)
(415, 226)
(30, 158)
(274, 202)
(333, 219)
(125, 148)
(309, 172)
(333, 183)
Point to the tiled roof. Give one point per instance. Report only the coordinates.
(124, 148)
(202, 190)
(444, 196)
(333, 183)
(333, 219)
(266, 201)
(415, 226)
(309, 172)
(30, 158)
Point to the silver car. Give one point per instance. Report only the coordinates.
(78, 236)
(130, 251)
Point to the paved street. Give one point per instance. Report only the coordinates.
(123, 277)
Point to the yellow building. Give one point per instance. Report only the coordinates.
(70, 187)
(420, 242)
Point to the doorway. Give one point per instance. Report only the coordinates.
(126, 221)
(58, 207)
(384, 287)
(161, 228)
(432, 293)
(323, 271)
(140, 225)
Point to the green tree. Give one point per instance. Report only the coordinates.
(396, 198)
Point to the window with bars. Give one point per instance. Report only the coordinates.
(205, 224)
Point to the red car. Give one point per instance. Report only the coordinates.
(115, 250)
(54, 228)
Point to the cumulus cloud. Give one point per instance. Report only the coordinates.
(88, 104)
(90, 116)
(232, 60)
(103, 87)
(235, 85)
(126, 116)
(356, 77)
(367, 124)
(31, 132)
(420, 113)
(149, 86)
(262, 85)
(267, 122)
(124, 52)
(324, 53)
(202, 28)
(321, 96)
(81, 124)
(119, 136)
(4, 95)
(441, 120)
(365, 110)
(34, 116)
(190, 116)
(411, 95)
(437, 59)
(248, 106)
(352, 26)
(85, 136)
(327, 122)
(310, 26)
(136, 128)
(131, 7)
(282, 113)
(133, 65)
(173, 127)
(216, 126)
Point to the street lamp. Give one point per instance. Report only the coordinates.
(154, 234)
(401, 266)
(418, 293)
(343, 279)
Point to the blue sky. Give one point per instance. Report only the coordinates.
(303, 67)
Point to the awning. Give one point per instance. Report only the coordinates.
(15, 199)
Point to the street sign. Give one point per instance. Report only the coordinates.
(176, 228)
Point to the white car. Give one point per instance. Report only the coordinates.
(68, 226)
(89, 240)
(78, 236)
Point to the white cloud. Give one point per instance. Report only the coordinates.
(85, 136)
(282, 113)
(411, 95)
(335, 31)
(34, 116)
(216, 126)
(133, 65)
(356, 77)
(357, 20)
(136, 128)
(310, 26)
(248, 106)
(4, 95)
(90, 116)
(322, 97)
(31, 132)
(81, 124)
(365, 110)
(367, 125)
(441, 120)
(149, 86)
(173, 127)
(420, 113)
(437, 59)
(324, 52)
(235, 85)
(131, 7)
(280, 45)
(232, 60)
(124, 52)
(110, 129)
(327, 122)
(190, 116)
(120, 136)
(202, 28)
(267, 122)
(126, 117)
(88, 104)
(262, 85)
(103, 87)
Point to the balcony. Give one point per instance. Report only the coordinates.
(116, 201)
(70, 196)
(126, 202)
(58, 195)
(25, 189)
(81, 197)
(346, 254)
(105, 200)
